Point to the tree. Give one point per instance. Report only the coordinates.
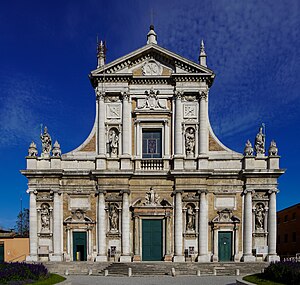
(22, 223)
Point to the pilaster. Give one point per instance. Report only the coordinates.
(125, 256)
(178, 158)
(101, 256)
(101, 146)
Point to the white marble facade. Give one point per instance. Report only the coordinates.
(152, 169)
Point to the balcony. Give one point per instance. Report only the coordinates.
(153, 164)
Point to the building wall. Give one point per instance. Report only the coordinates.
(288, 231)
(15, 249)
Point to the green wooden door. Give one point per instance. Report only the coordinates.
(79, 246)
(225, 246)
(152, 240)
(2, 252)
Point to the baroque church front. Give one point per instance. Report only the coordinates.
(152, 181)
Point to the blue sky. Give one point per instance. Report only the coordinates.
(47, 49)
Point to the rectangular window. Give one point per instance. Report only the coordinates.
(286, 238)
(152, 143)
(294, 216)
(285, 218)
(294, 236)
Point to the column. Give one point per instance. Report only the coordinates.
(101, 129)
(203, 228)
(178, 124)
(272, 255)
(125, 257)
(178, 254)
(138, 140)
(33, 255)
(203, 125)
(168, 237)
(57, 228)
(101, 256)
(247, 224)
(68, 257)
(126, 121)
(137, 254)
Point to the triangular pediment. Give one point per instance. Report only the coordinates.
(151, 60)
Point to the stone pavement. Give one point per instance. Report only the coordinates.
(149, 280)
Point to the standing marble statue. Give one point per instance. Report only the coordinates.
(114, 218)
(190, 142)
(248, 150)
(260, 142)
(113, 142)
(190, 218)
(45, 217)
(259, 217)
(46, 143)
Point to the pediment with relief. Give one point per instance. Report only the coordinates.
(151, 60)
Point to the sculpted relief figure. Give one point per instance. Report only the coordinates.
(190, 218)
(46, 142)
(113, 142)
(32, 150)
(260, 142)
(151, 197)
(273, 150)
(190, 141)
(259, 217)
(248, 150)
(45, 217)
(113, 218)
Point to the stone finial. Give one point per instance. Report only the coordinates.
(46, 143)
(260, 142)
(56, 149)
(32, 150)
(248, 150)
(202, 55)
(101, 53)
(273, 150)
(151, 36)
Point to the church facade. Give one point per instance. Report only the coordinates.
(152, 181)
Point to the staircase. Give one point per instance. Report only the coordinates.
(154, 268)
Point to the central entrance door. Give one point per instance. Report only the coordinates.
(225, 246)
(152, 248)
(79, 246)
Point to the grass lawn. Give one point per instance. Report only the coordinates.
(257, 279)
(53, 279)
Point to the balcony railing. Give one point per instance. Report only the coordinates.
(153, 164)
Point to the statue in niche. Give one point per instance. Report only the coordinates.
(259, 216)
(273, 150)
(190, 218)
(190, 141)
(248, 150)
(260, 142)
(151, 197)
(32, 150)
(56, 149)
(46, 142)
(45, 217)
(113, 141)
(113, 218)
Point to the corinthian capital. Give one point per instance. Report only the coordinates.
(125, 96)
(178, 95)
(99, 93)
(203, 95)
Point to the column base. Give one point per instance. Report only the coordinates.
(55, 257)
(31, 258)
(100, 163)
(248, 258)
(273, 258)
(126, 163)
(178, 162)
(125, 258)
(203, 258)
(137, 258)
(101, 258)
(168, 258)
(178, 258)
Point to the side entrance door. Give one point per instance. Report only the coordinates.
(79, 246)
(152, 248)
(225, 246)
(1, 252)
